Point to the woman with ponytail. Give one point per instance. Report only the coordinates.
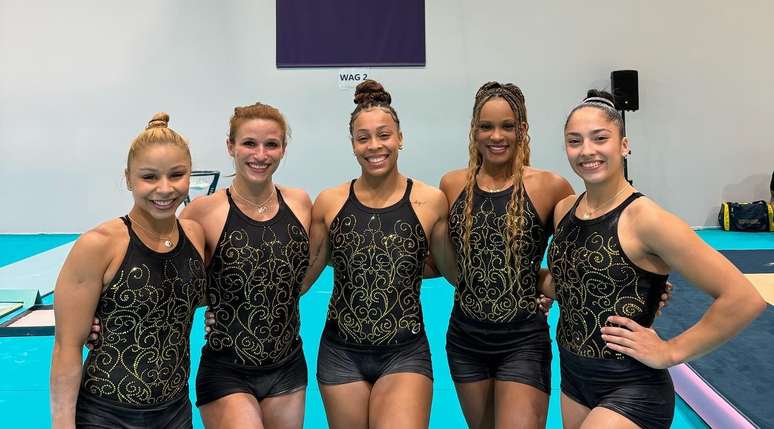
(374, 366)
(143, 275)
(612, 252)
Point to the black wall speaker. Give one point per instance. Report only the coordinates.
(624, 84)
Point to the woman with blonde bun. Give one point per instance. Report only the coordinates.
(143, 275)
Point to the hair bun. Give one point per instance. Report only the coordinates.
(599, 96)
(371, 91)
(160, 120)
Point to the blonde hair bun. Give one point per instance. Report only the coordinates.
(159, 120)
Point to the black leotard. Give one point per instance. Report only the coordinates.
(254, 284)
(142, 358)
(491, 289)
(595, 279)
(378, 255)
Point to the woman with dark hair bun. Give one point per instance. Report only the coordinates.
(498, 345)
(374, 366)
(143, 276)
(612, 251)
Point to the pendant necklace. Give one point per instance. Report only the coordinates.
(589, 210)
(166, 241)
(508, 183)
(261, 207)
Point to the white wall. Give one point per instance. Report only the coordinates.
(78, 80)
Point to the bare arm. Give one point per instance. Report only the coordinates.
(736, 303)
(195, 233)
(441, 249)
(210, 213)
(78, 289)
(451, 185)
(319, 247)
(546, 284)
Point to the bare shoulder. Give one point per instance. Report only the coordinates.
(566, 203)
(548, 181)
(331, 195)
(103, 240)
(106, 231)
(194, 231)
(453, 182)
(296, 196)
(330, 201)
(429, 200)
(427, 192)
(454, 179)
(652, 219)
(191, 227)
(562, 207)
(202, 206)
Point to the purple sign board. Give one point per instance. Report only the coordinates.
(350, 33)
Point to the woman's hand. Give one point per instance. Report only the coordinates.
(94, 334)
(209, 321)
(665, 298)
(545, 303)
(639, 342)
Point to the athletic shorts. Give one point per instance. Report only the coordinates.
(92, 412)
(642, 394)
(340, 364)
(517, 351)
(217, 378)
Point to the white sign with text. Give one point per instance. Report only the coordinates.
(350, 78)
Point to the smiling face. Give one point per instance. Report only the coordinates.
(594, 145)
(158, 176)
(376, 141)
(257, 150)
(497, 132)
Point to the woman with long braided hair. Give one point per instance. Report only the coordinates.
(498, 344)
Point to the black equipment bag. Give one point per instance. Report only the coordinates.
(754, 216)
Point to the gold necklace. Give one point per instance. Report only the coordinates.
(168, 243)
(509, 182)
(261, 207)
(589, 211)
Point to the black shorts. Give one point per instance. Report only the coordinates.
(642, 394)
(517, 351)
(92, 412)
(217, 378)
(339, 364)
